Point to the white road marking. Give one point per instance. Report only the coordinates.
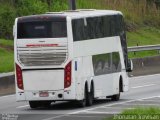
(109, 105)
(22, 106)
(146, 76)
(67, 115)
(101, 106)
(149, 97)
(97, 112)
(59, 116)
(85, 116)
(143, 86)
(157, 101)
(83, 111)
(6, 96)
(116, 107)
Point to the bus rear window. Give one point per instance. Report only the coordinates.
(42, 29)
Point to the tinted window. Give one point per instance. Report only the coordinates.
(116, 65)
(102, 64)
(97, 27)
(42, 29)
(106, 26)
(78, 30)
(106, 63)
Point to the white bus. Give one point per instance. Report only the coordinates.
(70, 56)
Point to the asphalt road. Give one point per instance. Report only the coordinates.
(144, 91)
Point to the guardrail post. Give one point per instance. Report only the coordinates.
(72, 4)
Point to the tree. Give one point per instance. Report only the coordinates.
(157, 2)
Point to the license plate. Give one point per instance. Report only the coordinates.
(43, 94)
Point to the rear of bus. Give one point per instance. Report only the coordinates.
(42, 62)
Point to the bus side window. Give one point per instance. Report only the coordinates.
(113, 26)
(78, 29)
(102, 64)
(116, 65)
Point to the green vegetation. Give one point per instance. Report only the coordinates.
(144, 36)
(6, 43)
(137, 13)
(6, 60)
(6, 56)
(143, 110)
(140, 113)
(142, 54)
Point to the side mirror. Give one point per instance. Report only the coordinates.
(129, 66)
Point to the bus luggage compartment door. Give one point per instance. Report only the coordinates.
(37, 80)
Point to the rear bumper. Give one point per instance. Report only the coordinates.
(59, 95)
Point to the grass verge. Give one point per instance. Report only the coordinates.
(144, 36)
(140, 113)
(143, 54)
(6, 56)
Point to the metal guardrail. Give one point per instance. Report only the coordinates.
(144, 48)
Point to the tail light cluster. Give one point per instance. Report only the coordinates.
(19, 77)
(67, 75)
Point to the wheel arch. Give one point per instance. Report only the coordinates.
(89, 83)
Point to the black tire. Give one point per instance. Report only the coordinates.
(83, 103)
(46, 104)
(117, 96)
(90, 96)
(34, 104)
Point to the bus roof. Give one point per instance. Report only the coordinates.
(81, 13)
(85, 13)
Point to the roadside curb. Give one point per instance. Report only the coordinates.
(6, 74)
(7, 83)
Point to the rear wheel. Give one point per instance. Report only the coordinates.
(34, 104)
(82, 103)
(117, 96)
(90, 96)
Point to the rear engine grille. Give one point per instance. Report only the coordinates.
(42, 56)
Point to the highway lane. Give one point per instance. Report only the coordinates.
(143, 87)
(144, 90)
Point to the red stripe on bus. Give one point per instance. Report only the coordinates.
(42, 45)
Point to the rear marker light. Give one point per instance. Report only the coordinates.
(19, 77)
(67, 75)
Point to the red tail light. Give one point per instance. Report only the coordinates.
(19, 77)
(67, 75)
